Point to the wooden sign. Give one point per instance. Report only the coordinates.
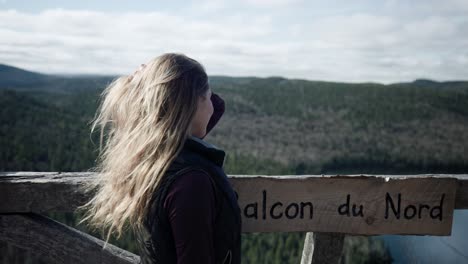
(353, 205)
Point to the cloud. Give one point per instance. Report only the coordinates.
(271, 3)
(359, 46)
(81, 40)
(385, 48)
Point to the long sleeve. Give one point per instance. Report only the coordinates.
(219, 108)
(190, 204)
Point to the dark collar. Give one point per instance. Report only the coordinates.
(207, 150)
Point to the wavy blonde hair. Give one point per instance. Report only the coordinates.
(148, 117)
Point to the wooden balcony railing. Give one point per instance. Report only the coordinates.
(330, 206)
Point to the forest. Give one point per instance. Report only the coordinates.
(271, 126)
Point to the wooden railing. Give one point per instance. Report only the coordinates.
(330, 206)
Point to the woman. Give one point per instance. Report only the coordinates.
(157, 174)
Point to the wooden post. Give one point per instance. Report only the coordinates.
(322, 248)
(308, 249)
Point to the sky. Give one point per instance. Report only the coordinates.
(382, 41)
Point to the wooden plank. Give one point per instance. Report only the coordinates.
(353, 205)
(41, 192)
(58, 192)
(58, 243)
(461, 199)
(308, 248)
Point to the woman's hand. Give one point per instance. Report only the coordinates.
(218, 111)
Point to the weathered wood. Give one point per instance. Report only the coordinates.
(58, 243)
(58, 192)
(328, 248)
(353, 205)
(461, 199)
(41, 192)
(308, 248)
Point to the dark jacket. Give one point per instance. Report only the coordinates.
(156, 240)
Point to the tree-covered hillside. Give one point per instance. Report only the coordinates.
(271, 126)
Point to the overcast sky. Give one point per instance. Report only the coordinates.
(351, 41)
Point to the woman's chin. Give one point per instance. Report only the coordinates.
(199, 135)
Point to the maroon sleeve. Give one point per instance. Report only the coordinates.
(218, 111)
(190, 205)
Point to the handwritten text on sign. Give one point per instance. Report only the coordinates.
(353, 205)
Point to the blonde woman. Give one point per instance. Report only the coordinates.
(157, 174)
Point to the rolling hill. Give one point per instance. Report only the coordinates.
(271, 126)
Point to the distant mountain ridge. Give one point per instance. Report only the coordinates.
(16, 78)
(12, 77)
